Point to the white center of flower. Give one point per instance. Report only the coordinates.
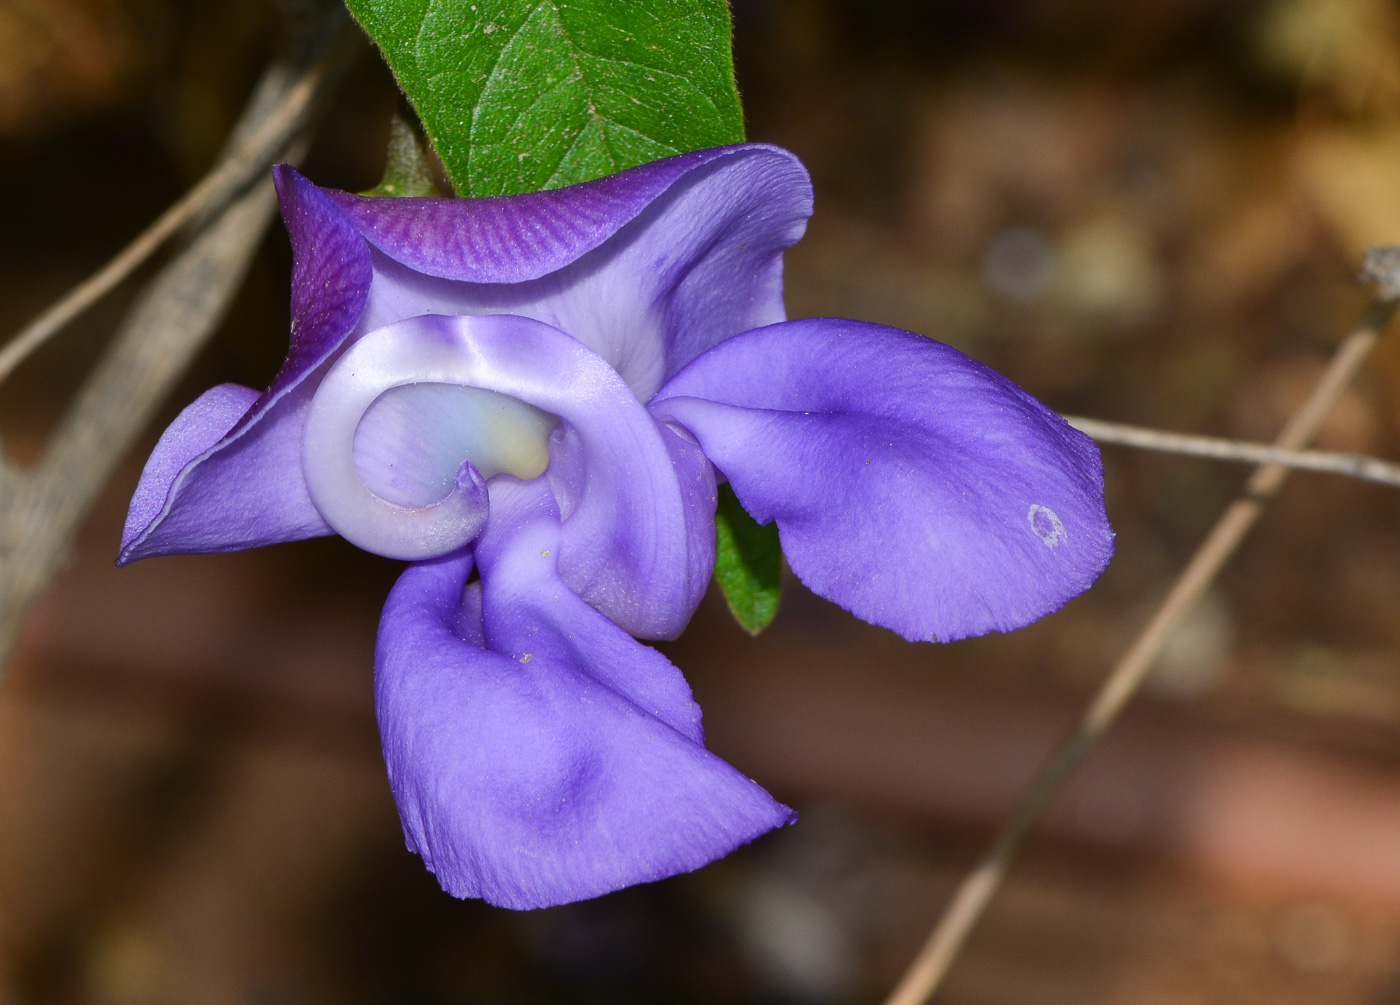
(400, 439)
(413, 439)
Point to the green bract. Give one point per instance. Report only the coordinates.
(748, 563)
(407, 171)
(519, 96)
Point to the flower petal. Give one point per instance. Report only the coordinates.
(254, 496)
(696, 477)
(561, 759)
(647, 267)
(331, 276)
(912, 485)
(244, 488)
(626, 544)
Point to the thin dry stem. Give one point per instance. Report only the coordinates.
(970, 900)
(229, 211)
(1359, 466)
(213, 189)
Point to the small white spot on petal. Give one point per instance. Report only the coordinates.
(1046, 524)
(527, 657)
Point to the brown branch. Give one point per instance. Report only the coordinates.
(975, 892)
(267, 137)
(40, 509)
(1359, 466)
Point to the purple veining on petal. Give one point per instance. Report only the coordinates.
(539, 755)
(648, 267)
(330, 277)
(911, 484)
(512, 239)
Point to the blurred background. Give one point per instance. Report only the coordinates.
(1151, 212)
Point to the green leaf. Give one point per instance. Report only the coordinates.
(748, 563)
(518, 95)
(407, 168)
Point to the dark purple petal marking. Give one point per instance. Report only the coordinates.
(912, 485)
(647, 268)
(331, 275)
(538, 754)
(245, 488)
(513, 239)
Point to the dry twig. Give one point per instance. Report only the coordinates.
(40, 509)
(251, 156)
(1359, 466)
(975, 892)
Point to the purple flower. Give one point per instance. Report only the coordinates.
(544, 388)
